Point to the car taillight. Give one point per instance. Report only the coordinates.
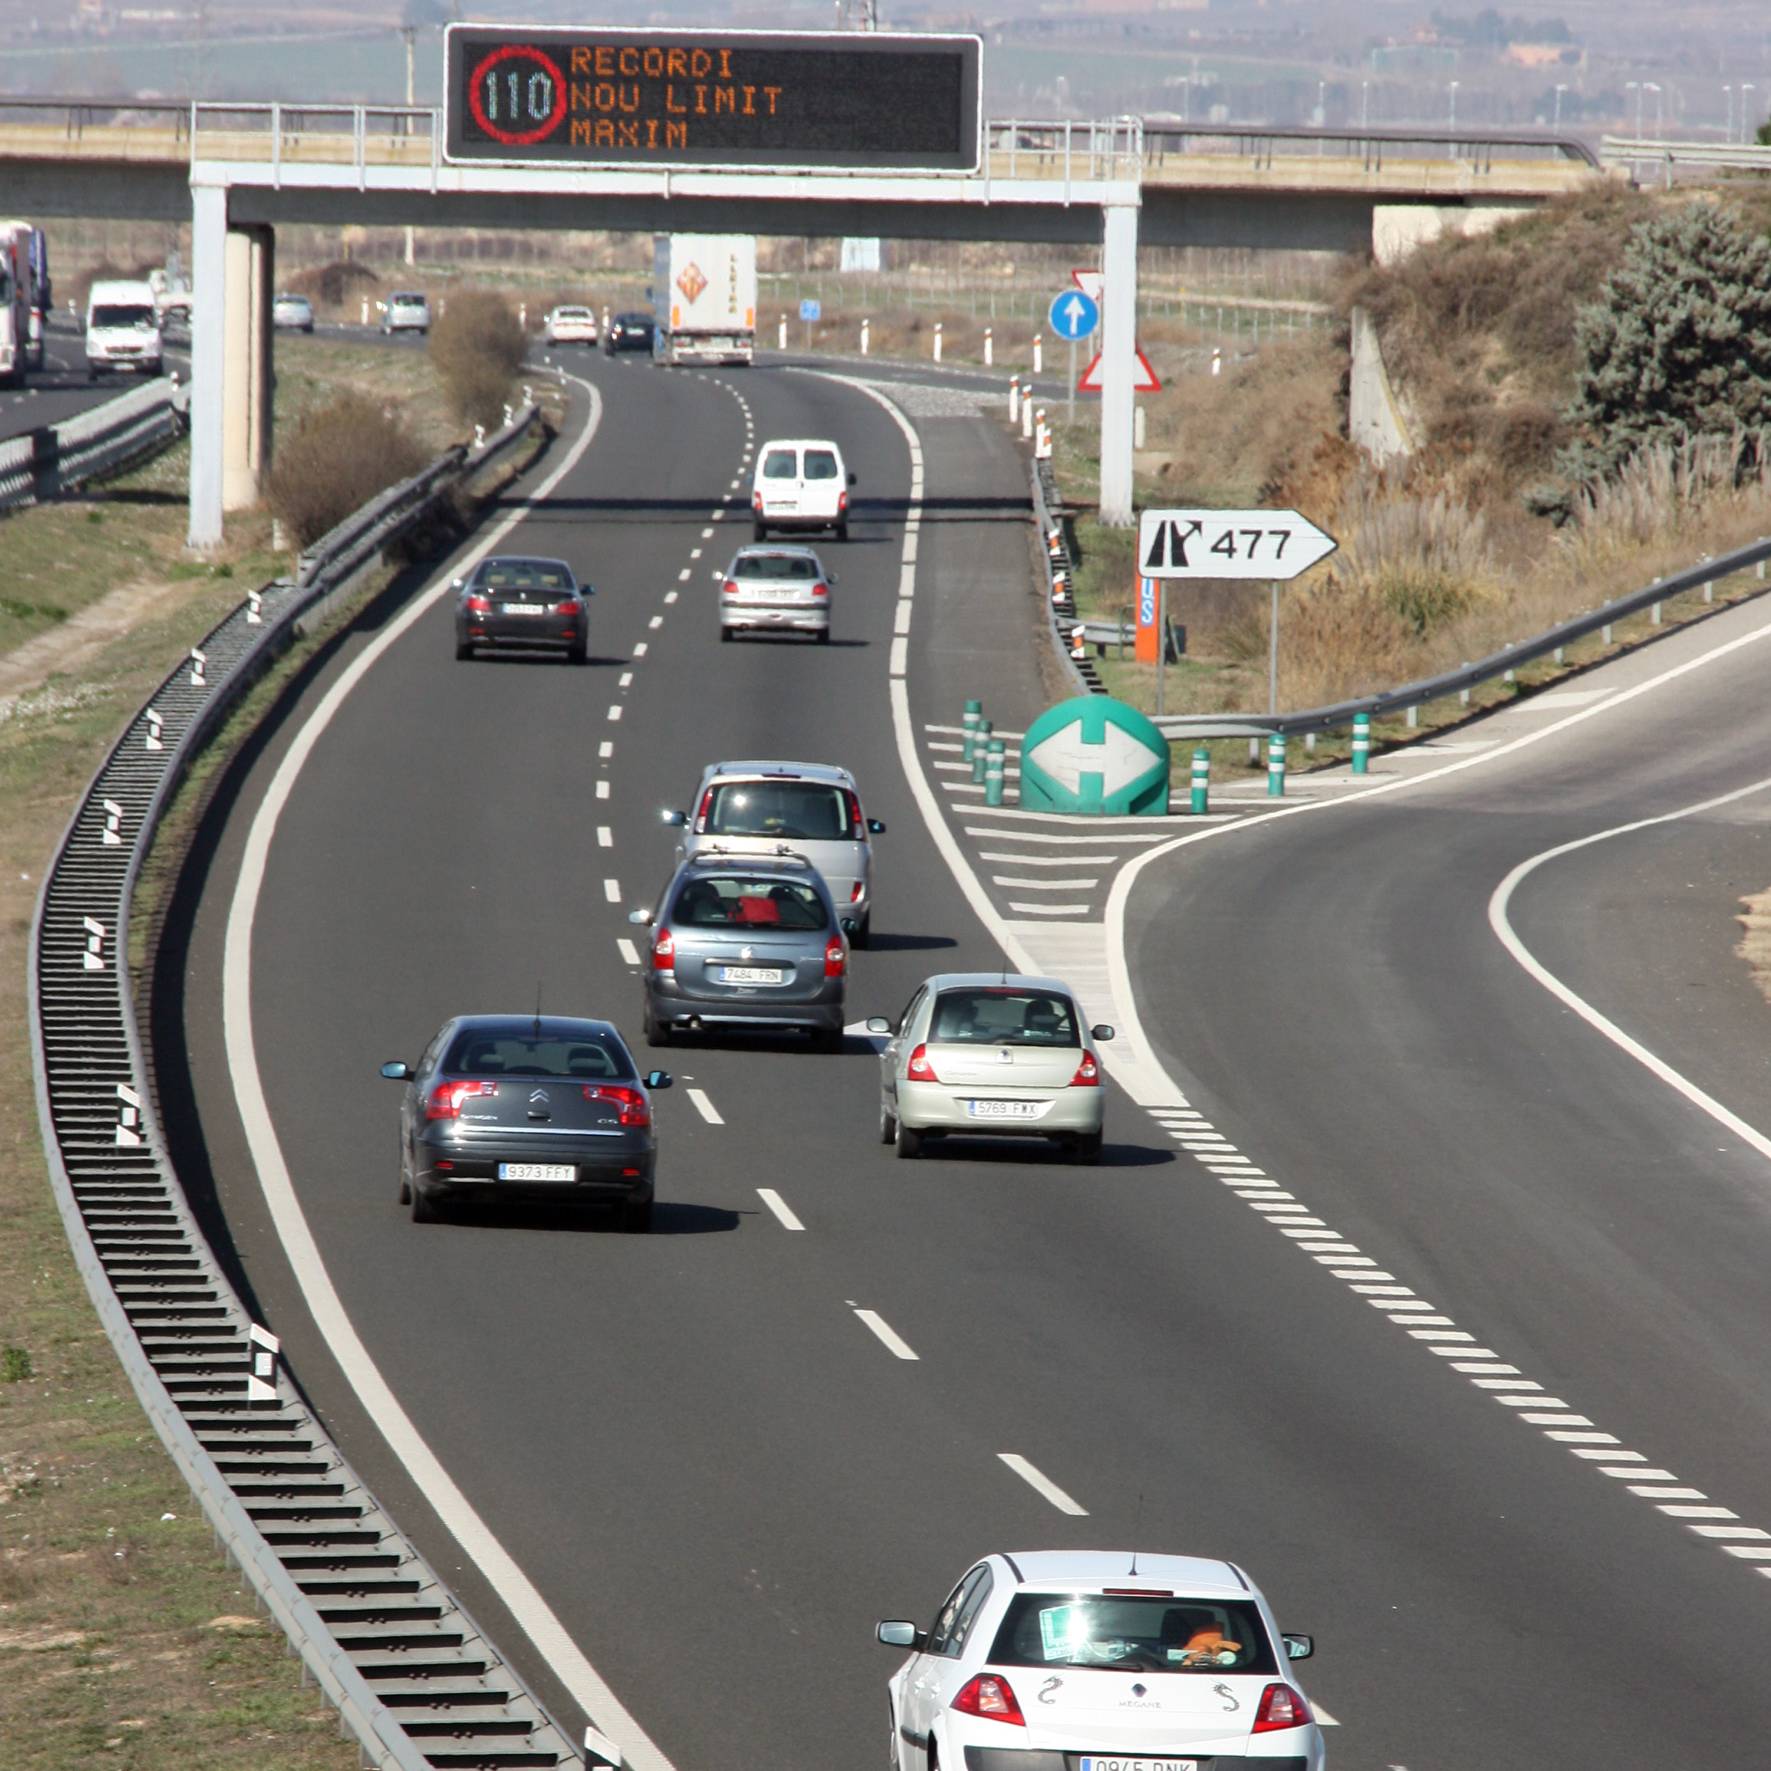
(701, 815)
(919, 1068)
(842, 501)
(756, 501)
(855, 893)
(446, 1098)
(836, 959)
(570, 606)
(478, 605)
(730, 588)
(632, 1107)
(664, 952)
(1088, 1073)
(984, 1694)
(820, 589)
(857, 824)
(1281, 1707)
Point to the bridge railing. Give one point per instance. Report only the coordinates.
(1373, 148)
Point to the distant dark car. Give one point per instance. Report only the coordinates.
(508, 602)
(527, 1107)
(628, 332)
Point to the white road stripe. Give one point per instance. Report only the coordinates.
(602, 789)
(639, 648)
(1042, 1485)
(1051, 860)
(704, 1106)
(657, 621)
(1084, 884)
(615, 711)
(694, 553)
(779, 1207)
(612, 890)
(1049, 909)
(889, 1336)
(670, 595)
(606, 749)
(630, 954)
(707, 534)
(605, 837)
(625, 680)
(682, 577)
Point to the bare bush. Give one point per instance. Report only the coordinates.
(337, 286)
(340, 456)
(477, 347)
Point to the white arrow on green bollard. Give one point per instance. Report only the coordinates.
(1094, 754)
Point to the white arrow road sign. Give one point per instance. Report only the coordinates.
(1266, 544)
(1119, 759)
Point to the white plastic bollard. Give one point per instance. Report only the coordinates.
(989, 349)
(1014, 399)
(523, 315)
(1042, 436)
(1027, 414)
(937, 341)
(1038, 354)
(866, 327)
(781, 334)
(1217, 360)
(365, 310)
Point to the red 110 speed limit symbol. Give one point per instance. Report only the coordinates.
(517, 95)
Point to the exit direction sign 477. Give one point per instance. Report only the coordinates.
(1266, 544)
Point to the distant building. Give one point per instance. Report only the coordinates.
(1544, 55)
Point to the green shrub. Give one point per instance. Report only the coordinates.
(477, 348)
(15, 1366)
(340, 456)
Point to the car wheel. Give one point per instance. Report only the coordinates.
(828, 1040)
(759, 531)
(579, 654)
(636, 1219)
(1086, 1149)
(405, 1179)
(863, 931)
(655, 1032)
(424, 1208)
(888, 1126)
(909, 1143)
(463, 651)
(725, 635)
(823, 636)
(842, 531)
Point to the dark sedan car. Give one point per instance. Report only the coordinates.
(510, 603)
(532, 1107)
(628, 332)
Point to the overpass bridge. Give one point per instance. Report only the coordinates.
(237, 171)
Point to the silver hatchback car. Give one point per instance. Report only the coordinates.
(991, 1054)
(813, 809)
(776, 590)
(745, 941)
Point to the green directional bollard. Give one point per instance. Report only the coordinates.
(993, 772)
(1361, 743)
(974, 714)
(980, 741)
(1276, 766)
(1200, 797)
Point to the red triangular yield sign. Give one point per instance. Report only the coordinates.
(1143, 380)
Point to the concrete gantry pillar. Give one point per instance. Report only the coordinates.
(1119, 344)
(209, 232)
(246, 375)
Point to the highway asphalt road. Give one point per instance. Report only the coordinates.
(706, 1459)
(60, 390)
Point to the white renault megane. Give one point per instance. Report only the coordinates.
(1094, 1660)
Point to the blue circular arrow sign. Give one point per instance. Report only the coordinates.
(1073, 315)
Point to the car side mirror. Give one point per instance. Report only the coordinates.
(659, 1079)
(676, 820)
(853, 481)
(456, 583)
(1102, 1033)
(831, 578)
(397, 1072)
(896, 1633)
(879, 1024)
(876, 827)
(639, 918)
(1298, 1647)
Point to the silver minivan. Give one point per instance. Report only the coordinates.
(810, 809)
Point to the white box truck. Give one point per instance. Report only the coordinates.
(704, 298)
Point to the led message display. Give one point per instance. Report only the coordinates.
(763, 100)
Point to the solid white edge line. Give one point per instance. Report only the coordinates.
(889, 1337)
(780, 1208)
(1042, 1485)
(704, 1106)
(534, 1616)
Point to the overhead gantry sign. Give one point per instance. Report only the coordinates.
(564, 97)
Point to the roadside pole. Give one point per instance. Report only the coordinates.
(1273, 654)
(1161, 639)
(1070, 385)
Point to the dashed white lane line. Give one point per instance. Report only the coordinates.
(682, 577)
(900, 653)
(602, 789)
(707, 534)
(612, 890)
(694, 553)
(889, 1336)
(1042, 1485)
(630, 954)
(670, 595)
(605, 837)
(704, 1106)
(639, 648)
(656, 622)
(606, 749)
(615, 711)
(625, 680)
(779, 1207)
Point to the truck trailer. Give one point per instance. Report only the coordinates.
(26, 251)
(704, 298)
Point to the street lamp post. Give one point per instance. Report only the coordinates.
(1556, 121)
(1745, 88)
(1659, 110)
(1364, 104)
(1452, 90)
(1728, 94)
(1635, 86)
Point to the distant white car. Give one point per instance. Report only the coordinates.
(1100, 1661)
(405, 311)
(292, 313)
(571, 325)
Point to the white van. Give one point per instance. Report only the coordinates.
(122, 329)
(801, 484)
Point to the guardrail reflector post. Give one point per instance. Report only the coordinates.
(993, 772)
(866, 336)
(1276, 766)
(199, 663)
(1027, 415)
(1654, 614)
(989, 348)
(1014, 399)
(937, 341)
(980, 751)
(1362, 742)
(1605, 633)
(1038, 354)
(974, 716)
(1413, 718)
(1199, 798)
(1709, 591)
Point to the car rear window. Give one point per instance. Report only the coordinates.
(733, 901)
(1155, 1633)
(523, 575)
(1003, 1017)
(571, 313)
(802, 809)
(596, 1056)
(820, 465)
(781, 464)
(776, 565)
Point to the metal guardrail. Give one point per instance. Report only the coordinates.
(1165, 135)
(1181, 727)
(1052, 533)
(105, 439)
(415, 1682)
(1628, 150)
